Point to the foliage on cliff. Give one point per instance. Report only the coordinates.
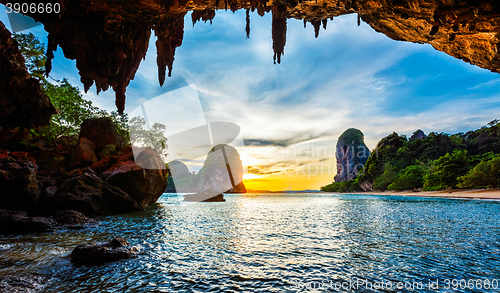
(433, 162)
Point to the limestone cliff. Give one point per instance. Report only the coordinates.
(351, 154)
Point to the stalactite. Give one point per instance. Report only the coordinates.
(233, 5)
(51, 47)
(324, 21)
(279, 31)
(170, 32)
(359, 19)
(247, 29)
(317, 25)
(204, 15)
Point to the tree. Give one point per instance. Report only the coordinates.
(33, 52)
(411, 177)
(143, 136)
(446, 170)
(486, 173)
(382, 182)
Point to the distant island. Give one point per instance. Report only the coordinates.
(433, 162)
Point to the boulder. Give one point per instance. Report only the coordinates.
(90, 195)
(101, 131)
(98, 253)
(143, 185)
(83, 154)
(18, 184)
(72, 219)
(19, 222)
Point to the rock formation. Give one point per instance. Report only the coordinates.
(83, 154)
(109, 40)
(23, 104)
(222, 172)
(91, 196)
(19, 222)
(419, 134)
(102, 132)
(145, 186)
(98, 253)
(351, 154)
(18, 183)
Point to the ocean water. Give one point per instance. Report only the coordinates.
(280, 243)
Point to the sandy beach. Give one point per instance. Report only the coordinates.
(454, 193)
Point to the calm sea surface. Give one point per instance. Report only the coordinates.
(275, 243)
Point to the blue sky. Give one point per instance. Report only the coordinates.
(349, 76)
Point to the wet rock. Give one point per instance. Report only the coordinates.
(99, 253)
(72, 219)
(90, 195)
(18, 184)
(19, 222)
(27, 283)
(83, 154)
(144, 185)
(351, 155)
(101, 131)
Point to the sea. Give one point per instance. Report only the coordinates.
(309, 242)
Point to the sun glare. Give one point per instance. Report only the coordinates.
(249, 176)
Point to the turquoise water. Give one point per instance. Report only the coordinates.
(276, 243)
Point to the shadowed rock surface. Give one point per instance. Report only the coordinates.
(18, 183)
(23, 104)
(22, 101)
(99, 253)
(91, 196)
(19, 222)
(145, 186)
(72, 219)
(108, 40)
(102, 132)
(83, 154)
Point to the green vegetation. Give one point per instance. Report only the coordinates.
(344, 186)
(409, 178)
(144, 137)
(438, 161)
(486, 173)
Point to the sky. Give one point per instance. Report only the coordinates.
(291, 114)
